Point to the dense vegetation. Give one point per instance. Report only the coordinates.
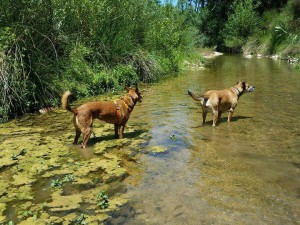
(250, 26)
(89, 47)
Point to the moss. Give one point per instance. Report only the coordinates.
(117, 202)
(18, 193)
(112, 168)
(23, 178)
(64, 203)
(2, 209)
(31, 220)
(97, 219)
(103, 146)
(157, 149)
(36, 149)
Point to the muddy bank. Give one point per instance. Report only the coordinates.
(212, 55)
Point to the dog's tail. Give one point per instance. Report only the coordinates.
(195, 97)
(65, 102)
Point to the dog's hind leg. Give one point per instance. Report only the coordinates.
(116, 131)
(85, 124)
(219, 115)
(215, 117)
(77, 135)
(86, 136)
(204, 114)
(77, 131)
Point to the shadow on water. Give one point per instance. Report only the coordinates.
(130, 135)
(223, 120)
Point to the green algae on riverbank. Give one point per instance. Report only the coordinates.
(35, 152)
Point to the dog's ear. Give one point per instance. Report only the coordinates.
(127, 88)
(244, 85)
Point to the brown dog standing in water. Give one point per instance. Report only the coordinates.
(219, 101)
(115, 112)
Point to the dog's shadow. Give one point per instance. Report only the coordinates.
(236, 118)
(233, 119)
(130, 135)
(224, 120)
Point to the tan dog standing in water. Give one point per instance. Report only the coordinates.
(219, 101)
(115, 112)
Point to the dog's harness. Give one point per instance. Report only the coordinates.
(127, 106)
(129, 109)
(118, 113)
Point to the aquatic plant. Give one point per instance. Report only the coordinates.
(56, 183)
(172, 137)
(27, 213)
(80, 220)
(68, 178)
(103, 201)
(15, 156)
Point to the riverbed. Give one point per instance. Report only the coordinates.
(169, 168)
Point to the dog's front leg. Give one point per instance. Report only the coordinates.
(116, 131)
(230, 114)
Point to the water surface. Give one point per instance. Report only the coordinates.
(243, 172)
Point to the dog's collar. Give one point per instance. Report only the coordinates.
(237, 91)
(130, 108)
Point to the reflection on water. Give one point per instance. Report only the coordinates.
(244, 172)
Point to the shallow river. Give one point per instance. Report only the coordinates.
(169, 168)
(243, 172)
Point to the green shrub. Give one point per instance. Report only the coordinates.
(88, 47)
(241, 24)
(278, 33)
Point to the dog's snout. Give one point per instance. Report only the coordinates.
(251, 88)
